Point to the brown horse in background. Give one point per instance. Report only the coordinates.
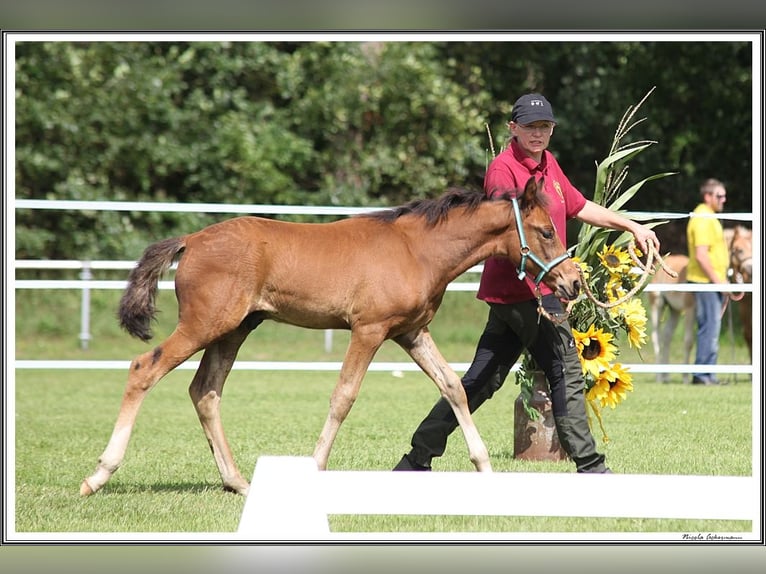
(674, 304)
(380, 275)
(677, 303)
(741, 271)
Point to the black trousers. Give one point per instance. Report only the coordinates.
(509, 330)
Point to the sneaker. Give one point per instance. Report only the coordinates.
(407, 464)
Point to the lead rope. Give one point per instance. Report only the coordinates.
(646, 270)
(735, 276)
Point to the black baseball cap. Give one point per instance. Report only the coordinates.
(532, 108)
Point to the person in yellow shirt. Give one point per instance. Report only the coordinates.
(708, 263)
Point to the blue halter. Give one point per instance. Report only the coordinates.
(527, 254)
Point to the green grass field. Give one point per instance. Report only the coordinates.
(169, 483)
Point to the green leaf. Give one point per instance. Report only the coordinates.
(632, 190)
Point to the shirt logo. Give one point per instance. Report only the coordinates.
(557, 187)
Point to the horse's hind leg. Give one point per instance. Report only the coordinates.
(205, 391)
(424, 352)
(145, 371)
(690, 330)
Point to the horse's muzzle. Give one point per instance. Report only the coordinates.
(568, 291)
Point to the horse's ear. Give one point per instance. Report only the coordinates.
(531, 189)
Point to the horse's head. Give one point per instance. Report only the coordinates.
(542, 252)
(741, 255)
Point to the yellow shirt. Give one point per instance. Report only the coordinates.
(706, 231)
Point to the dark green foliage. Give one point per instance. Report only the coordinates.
(346, 123)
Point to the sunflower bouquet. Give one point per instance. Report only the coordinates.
(597, 330)
(617, 316)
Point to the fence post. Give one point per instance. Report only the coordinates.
(85, 275)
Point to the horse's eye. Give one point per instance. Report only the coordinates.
(548, 233)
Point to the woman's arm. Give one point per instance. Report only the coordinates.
(598, 215)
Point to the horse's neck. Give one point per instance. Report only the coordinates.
(741, 251)
(465, 239)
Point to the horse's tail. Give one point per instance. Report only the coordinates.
(137, 306)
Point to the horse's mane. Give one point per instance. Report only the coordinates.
(435, 210)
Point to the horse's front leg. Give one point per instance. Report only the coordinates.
(361, 350)
(656, 304)
(421, 347)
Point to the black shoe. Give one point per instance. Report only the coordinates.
(407, 464)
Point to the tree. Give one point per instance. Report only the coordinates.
(348, 123)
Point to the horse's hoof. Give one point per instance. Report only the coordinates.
(239, 489)
(85, 488)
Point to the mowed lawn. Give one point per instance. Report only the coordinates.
(169, 485)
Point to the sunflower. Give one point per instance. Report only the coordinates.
(612, 386)
(614, 290)
(635, 322)
(616, 260)
(633, 317)
(595, 349)
(598, 391)
(583, 266)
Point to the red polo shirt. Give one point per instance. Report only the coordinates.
(510, 171)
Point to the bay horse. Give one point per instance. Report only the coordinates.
(382, 275)
(681, 303)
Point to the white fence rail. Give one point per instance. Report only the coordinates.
(245, 209)
(86, 284)
(375, 366)
(263, 209)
